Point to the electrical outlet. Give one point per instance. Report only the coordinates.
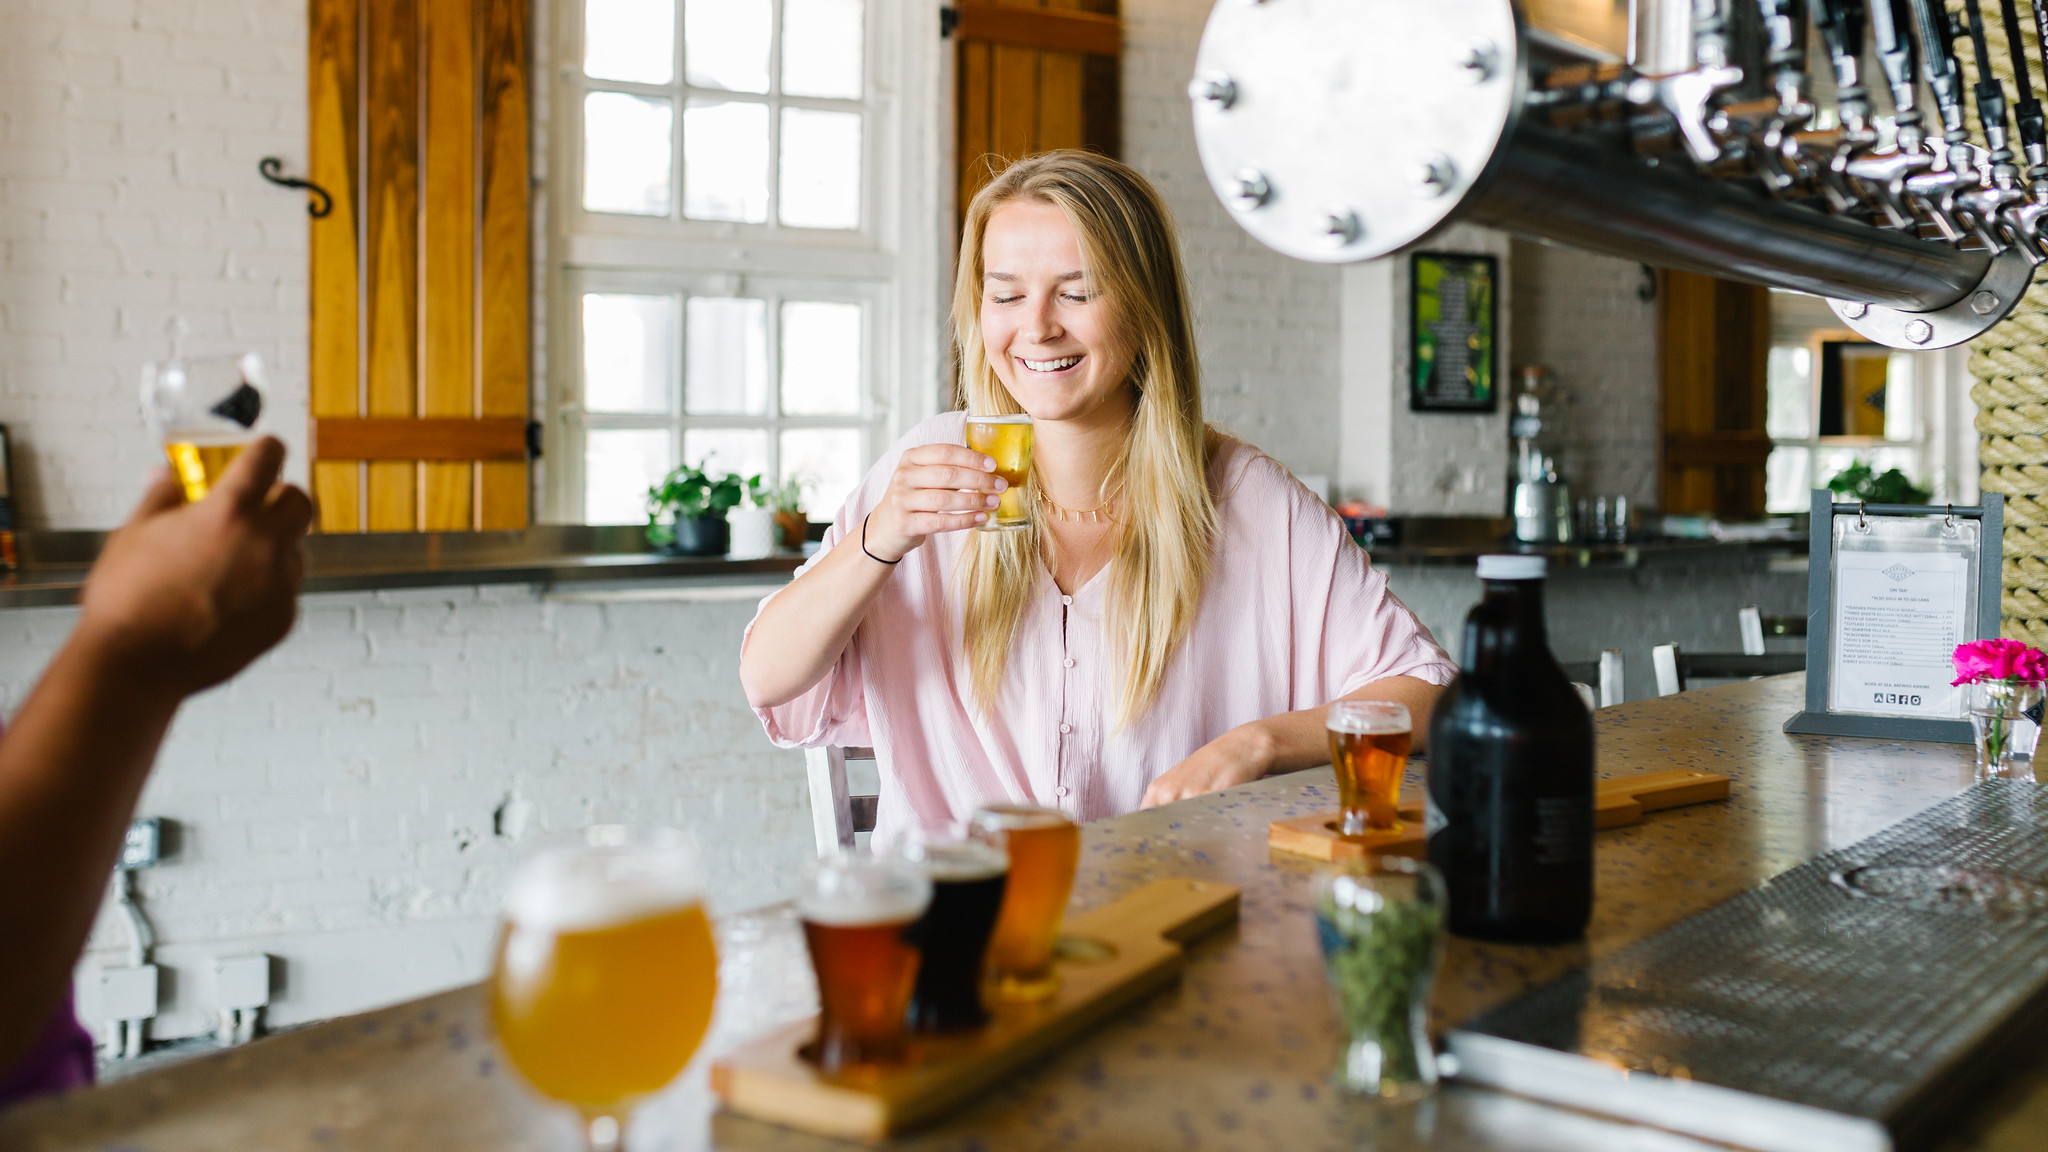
(241, 981)
(128, 992)
(142, 847)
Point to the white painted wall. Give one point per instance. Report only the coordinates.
(133, 225)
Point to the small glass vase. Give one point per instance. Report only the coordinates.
(2006, 716)
(1381, 926)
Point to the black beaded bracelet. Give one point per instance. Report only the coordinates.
(864, 544)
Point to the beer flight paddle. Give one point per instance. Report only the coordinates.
(1616, 803)
(1134, 948)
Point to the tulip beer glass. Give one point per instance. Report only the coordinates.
(204, 411)
(857, 912)
(1369, 749)
(602, 983)
(1044, 848)
(1007, 440)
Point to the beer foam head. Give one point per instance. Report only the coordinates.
(848, 891)
(1367, 718)
(957, 861)
(1012, 817)
(584, 887)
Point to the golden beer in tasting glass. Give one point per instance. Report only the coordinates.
(204, 411)
(604, 975)
(1045, 849)
(1007, 441)
(1369, 749)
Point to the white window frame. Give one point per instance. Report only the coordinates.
(897, 263)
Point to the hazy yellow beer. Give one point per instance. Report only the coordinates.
(1044, 848)
(1006, 440)
(605, 973)
(198, 467)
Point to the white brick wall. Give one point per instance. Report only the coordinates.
(133, 225)
(353, 801)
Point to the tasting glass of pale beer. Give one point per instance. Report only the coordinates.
(1007, 441)
(204, 411)
(858, 912)
(1044, 848)
(1369, 749)
(968, 878)
(602, 983)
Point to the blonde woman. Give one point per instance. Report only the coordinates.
(1181, 611)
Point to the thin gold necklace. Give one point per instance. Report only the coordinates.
(1103, 512)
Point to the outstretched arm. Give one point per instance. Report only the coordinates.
(1286, 742)
(182, 597)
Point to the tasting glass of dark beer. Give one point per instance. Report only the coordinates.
(1044, 848)
(857, 912)
(1369, 749)
(968, 878)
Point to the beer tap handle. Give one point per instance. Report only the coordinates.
(2026, 112)
(1894, 42)
(1840, 23)
(1990, 93)
(1938, 65)
(1785, 26)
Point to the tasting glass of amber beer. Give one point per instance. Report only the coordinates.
(858, 912)
(1044, 848)
(1369, 749)
(602, 983)
(1006, 440)
(204, 411)
(968, 878)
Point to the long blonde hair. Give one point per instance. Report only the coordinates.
(1165, 526)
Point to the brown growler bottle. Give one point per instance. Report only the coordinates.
(1510, 818)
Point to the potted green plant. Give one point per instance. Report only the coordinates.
(686, 511)
(1859, 481)
(788, 502)
(753, 525)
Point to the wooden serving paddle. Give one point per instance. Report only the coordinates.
(1110, 957)
(1616, 803)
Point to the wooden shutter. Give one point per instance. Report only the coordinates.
(1034, 75)
(421, 274)
(1713, 340)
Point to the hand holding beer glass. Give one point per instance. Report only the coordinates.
(204, 411)
(604, 976)
(1369, 749)
(1044, 848)
(857, 913)
(1007, 441)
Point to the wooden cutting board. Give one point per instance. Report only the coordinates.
(1110, 957)
(1616, 803)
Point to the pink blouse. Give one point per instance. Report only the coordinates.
(1294, 616)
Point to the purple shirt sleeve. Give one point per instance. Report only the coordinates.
(61, 1059)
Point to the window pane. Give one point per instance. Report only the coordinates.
(619, 466)
(722, 450)
(725, 44)
(725, 161)
(728, 367)
(1789, 389)
(821, 358)
(1788, 480)
(826, 461)
(1901, 415)
(820, 168)
(630, 40)
(626, 153)
(821, 48)
(629, 352)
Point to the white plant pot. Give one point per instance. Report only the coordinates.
(753, 533)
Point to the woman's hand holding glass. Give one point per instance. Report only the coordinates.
(936, 488)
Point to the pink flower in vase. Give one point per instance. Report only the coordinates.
(1998, 660)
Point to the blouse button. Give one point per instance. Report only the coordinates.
(1066, 728)
(1060, 791)
(1066, 599)
(1069, 662)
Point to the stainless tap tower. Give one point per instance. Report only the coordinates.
(1343, 130)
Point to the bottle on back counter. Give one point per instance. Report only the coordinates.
(1510, 818)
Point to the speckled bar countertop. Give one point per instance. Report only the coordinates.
(1235, 1057)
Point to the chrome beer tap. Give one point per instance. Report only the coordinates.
(1779, 163)
(1840, 24)
(1982, 207)
(1935, 190)
(1886, 173)
(2025, 218)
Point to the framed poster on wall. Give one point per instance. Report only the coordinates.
(1452, 315)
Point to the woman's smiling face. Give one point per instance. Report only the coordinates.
(1047, 331)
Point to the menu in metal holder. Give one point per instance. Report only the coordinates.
(1894, 588)
(1852, 1003)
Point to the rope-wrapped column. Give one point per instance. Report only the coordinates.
(2010, 364)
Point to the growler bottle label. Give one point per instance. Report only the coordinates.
(1433, 820)
(1564, 830)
